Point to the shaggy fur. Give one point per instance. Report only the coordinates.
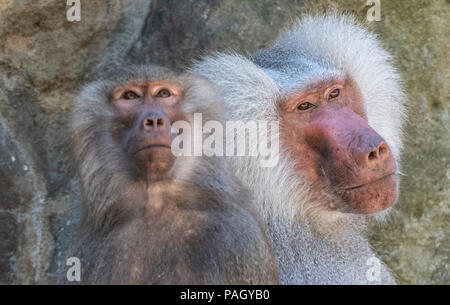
(312, 245)
(195, 227)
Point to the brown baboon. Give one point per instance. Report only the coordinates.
(340, 106)
(150, 217)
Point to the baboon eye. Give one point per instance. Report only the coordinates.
(334, 94)
(305, 106)
(163, 93)
(130, 95)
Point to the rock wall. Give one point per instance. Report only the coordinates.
(44, 59)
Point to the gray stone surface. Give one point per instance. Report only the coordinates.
(44, 59)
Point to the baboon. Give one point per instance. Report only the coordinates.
(150, 217)
(340, 106)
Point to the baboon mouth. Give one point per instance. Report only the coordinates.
(153, 146)
(369, 183)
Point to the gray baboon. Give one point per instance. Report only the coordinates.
(150, 217)
(340, 106)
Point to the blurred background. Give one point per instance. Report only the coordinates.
(44, 59)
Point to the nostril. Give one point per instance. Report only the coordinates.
(154, 122)
(373, 155)
(148, 122)
(382, 150)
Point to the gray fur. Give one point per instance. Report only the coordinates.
(198, 227)
(312, 245)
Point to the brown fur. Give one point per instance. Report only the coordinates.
(195, 226)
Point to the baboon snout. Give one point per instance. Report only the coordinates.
(153, 131)
(356, 159)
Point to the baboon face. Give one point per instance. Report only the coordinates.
(326, 130)
(144, 114)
